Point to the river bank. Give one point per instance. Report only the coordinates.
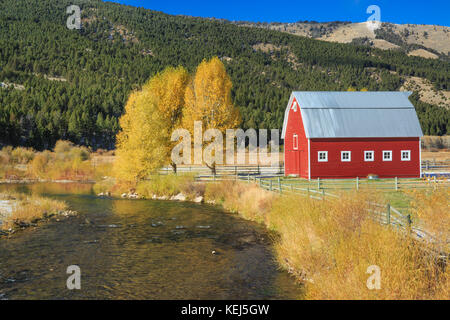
(20, 211)
(327, 245)
(141, 250)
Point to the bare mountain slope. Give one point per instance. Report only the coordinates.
(428, 41)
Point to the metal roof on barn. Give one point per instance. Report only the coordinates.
(356, 114)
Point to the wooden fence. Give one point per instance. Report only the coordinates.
(428, 165)
(227, 170)
(435, 165)
(394, 184)
(263, 173)
(382, 213)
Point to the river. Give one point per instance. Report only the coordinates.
(140, 249)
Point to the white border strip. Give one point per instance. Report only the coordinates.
(309, 159)
(420, 157)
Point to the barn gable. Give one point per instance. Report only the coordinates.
(356, 114)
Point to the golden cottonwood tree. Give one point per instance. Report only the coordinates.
(208, 99)
(168, 89)
(151, 114)
(141, 142)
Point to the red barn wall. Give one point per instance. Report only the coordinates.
(357, 167)
(295, 161)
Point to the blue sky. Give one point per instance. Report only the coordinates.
(396, 11)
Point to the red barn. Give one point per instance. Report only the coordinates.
(351, 134)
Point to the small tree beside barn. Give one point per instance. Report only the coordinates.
(351, 134)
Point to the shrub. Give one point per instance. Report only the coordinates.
(22, 155)
(38, 166)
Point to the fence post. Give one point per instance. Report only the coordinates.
(292, 187)
(396, 184)
(270, 184)
(323, 194)
(388, 213)
(279, 184)
(357, 183)
(214, 176)
(260, 183)
(248, 177)
(318, 183)
(408, 222)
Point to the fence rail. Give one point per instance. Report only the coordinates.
(433, 164)
(389, 184)
(382, 213)
(426, 165)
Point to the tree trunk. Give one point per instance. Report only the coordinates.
(212, 168)
(174, 167)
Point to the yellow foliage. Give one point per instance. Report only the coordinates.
(208, 99)
(167, 89)
(142, 143)
(151, 114)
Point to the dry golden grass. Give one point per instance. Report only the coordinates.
(159, 185)
(432, 208)
(29, 209)
(436, 156)
(330, 244)
(167, 185)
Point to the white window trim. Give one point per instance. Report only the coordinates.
(349, 156)
(409, 155)
(390, 152)
(295, 141)
(322, 160)
(369, 152)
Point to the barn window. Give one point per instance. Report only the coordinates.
(387, 155)
(369, 156)
(346, 156)
(322, 156)
(406, 155)
(295, 142)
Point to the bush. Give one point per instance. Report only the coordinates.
(330, 244)
(38, 167)
(22, 155)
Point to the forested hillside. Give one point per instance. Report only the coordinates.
(58, 83)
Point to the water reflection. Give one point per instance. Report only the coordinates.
(141, 250)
